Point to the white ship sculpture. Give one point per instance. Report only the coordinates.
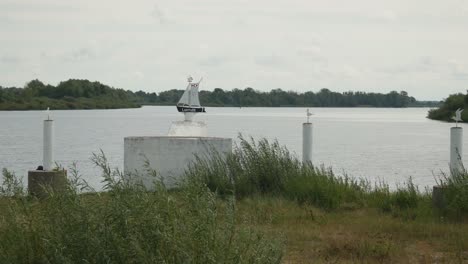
(189, 102)
(189, 105)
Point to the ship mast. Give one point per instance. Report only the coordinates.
(188, 116)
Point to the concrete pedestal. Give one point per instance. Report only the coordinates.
(169, 156)
(188, 129)
(39, 182)
(438, 197)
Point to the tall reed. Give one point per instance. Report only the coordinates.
(263, 167)
(266, 168)
(455, 194)
(126, 224)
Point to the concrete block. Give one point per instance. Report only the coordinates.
(39, 181)
(169, 156)
(438, 197)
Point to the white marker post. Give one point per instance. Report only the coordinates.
(42, 182)
(48, 151)
(456, 144)
(307, 140)
(456, 149)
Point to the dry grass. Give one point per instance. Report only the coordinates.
(355, 236)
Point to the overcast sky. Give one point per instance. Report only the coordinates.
(420, 46)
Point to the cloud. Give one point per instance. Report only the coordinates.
(81, 54)
(10, 59)
(386, 16)
(458, 69)
(138, 75)
(359, 45)
(429, 67)
(312, 52)
(159, 14)
(270, 60)
(213, 61)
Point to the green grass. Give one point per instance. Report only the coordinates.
(364, 235)
(126, 224)
(258, 205)
(266, 168)
(456, 194)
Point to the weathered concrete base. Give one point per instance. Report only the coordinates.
(168, 156)
(438, 197)
(188, 129)
(40, 181)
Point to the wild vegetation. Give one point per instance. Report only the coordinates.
(84, 94)
(126, 224)
(264, 168)
(258, 205)
(448, 107)
(330, 218)
(322, 98)
(71, 94)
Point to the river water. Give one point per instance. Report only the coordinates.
(387, 144)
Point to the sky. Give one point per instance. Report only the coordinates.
(419, 46)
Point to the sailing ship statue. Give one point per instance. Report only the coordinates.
(189, 102)
(189, 105)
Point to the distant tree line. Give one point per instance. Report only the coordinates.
(71, 94)
(448, 107)
(84, 94)
(279, 97)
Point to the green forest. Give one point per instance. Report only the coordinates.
(71, 94)
(448, 107)
(84, 94)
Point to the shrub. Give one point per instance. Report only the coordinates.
(127, 224)
(455, 194)
(268, 168)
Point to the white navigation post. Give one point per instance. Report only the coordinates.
(456, 145)
(307, 140)
(48, 151)
(44, 180)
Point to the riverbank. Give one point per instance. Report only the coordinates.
(446, 111)
(265, 230)
(260, 205)
(42, 103)
(85, 94)
(352, 235)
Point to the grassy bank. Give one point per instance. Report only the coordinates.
(126, 224)
(266, 168)
(364, 235)
(327, 218)
(258, 205)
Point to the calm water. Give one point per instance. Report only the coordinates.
(388, 144)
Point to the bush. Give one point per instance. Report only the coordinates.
(264, 168)
(126, 224)
(268, 168)
(448, 108)
(456, 194)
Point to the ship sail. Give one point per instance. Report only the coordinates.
(194, 100)
(189, 102)
(185, 99)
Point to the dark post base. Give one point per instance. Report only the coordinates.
(39, 182)
(438, 197)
